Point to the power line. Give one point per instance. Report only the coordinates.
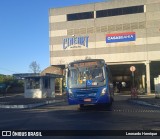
(5, 69)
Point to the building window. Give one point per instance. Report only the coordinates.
(80, 16)
(120, 11)
(33, 83)
(46, 83)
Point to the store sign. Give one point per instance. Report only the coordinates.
(75, 42)
(120, 37)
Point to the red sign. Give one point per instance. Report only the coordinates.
(121, 37)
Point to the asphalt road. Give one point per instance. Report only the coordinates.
(123, 115)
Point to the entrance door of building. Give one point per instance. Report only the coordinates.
(123, 77)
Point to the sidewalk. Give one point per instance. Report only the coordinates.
(18, 101)
(148, 100)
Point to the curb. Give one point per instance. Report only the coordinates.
(30, 105)
(144, 103)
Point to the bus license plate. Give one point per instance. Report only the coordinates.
(87, 100)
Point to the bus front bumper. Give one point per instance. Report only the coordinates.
(101, 100)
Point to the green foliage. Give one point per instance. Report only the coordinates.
(5, 79)
(1, 78)
(10, 80)
(58, 82)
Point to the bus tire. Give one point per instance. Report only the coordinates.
(81, 106)
(109, 105)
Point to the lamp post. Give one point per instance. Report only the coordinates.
(132, 69)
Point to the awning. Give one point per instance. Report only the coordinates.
(52, 70)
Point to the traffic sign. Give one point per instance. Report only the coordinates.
(132, 68)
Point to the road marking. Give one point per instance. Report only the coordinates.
(136, 110)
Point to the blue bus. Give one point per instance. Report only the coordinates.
(89, 82)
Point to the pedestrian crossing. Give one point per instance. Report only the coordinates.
(137, 111)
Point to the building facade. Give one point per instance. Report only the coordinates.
(120, 32)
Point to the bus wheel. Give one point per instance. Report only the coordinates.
(108, 106)
(111, 101)
(81, 106)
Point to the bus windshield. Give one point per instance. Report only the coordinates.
(86, 76)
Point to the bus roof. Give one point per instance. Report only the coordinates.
(86, 60)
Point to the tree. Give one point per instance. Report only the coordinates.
(2, 78)
(34, 67)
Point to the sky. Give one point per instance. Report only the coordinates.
(24, 33)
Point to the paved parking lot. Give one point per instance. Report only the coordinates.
(123, 115)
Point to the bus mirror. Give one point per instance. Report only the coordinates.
(65, 71)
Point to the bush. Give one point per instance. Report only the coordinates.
(10, 84)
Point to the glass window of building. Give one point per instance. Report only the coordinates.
(120, 11)
(33, 83)
(80, 16)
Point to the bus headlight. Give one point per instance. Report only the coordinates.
(103, 91)
(70, 93)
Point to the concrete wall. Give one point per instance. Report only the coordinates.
(33, 93)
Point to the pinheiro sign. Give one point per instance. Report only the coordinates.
(120, 37)
(75, 42)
